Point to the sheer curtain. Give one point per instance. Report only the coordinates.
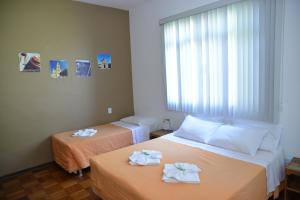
(219, 62)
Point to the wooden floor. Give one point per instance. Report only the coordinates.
(49, 182)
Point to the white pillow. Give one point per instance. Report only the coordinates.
(193, 128)
(131, 120)
(152, 123)
(272, 138)
(244, 140)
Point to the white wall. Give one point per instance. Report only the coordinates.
(146, 51)
(290, 115)
(147, 65)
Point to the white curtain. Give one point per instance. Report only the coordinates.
(219, 62)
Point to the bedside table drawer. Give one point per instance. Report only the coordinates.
(292, 180)
(293, 183)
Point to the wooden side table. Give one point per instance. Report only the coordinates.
(292, 180)
(159, 133)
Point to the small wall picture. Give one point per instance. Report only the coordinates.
(83, 68)
(104, 61)
(29, 62)
(58, 68)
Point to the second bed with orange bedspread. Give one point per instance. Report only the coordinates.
(73, 153)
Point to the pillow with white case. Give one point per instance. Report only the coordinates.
(132, 120)
(271, 140)
(193, 128)
(150, 122)
(244, 140)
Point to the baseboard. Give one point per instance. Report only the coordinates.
(38, 167)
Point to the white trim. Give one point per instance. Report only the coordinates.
(162, 44)
(278, 60)
(198, 10)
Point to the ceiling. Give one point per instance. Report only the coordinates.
(120, 4)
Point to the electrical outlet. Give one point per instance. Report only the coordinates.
(109, 110)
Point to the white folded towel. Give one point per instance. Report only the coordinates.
(85, 133)
(145, 157)
(181, 172)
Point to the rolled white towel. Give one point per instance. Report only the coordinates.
(85, 133)
(181, 172)
(152, 153)
(145, 157)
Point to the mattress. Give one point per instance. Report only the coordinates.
(221, 177)
(139, 133)
(273, 162)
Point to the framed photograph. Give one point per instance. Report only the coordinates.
(58, 68)
(83, 68)
(29, 62)
(104, 61)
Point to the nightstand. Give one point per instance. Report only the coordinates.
(159, 133)
(292, 180)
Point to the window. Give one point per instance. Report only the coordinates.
(221, 62)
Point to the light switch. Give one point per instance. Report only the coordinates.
(109, 110)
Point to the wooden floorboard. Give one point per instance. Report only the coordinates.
(49, 182)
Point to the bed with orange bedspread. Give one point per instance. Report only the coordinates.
(73, 153)
(221, 178)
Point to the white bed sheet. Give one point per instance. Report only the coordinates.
(139, 133)
(273, 162)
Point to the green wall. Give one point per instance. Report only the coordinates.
(33, 106)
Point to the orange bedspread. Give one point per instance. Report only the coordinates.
(73, 153)
(221, 178)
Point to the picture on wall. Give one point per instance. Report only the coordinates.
(29, 62)
(104, 61)
(83, 68)
(58, 68)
